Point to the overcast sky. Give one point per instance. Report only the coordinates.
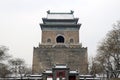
(20, 30)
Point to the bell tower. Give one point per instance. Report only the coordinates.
(60, 28)
(60, 44)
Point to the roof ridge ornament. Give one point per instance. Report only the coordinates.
(72, 11)
(48, 11)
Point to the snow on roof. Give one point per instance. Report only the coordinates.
(73, 72)
(86, 75)
(60, 16)
(49, 78)
(48, 71)
(60, 66)
(36, 75)
(56, 79)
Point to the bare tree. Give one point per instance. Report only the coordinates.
(17, 67)
(95, 67)
(28, 71)
(3, 53)
(109, 52)
(4, 71)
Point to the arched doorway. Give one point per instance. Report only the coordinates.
(60, 39)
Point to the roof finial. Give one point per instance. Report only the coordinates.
(72, 11)
(48, 11)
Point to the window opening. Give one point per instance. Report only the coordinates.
(60, 39)
(71, 40)
(49, 40)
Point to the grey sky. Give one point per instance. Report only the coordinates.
(19, 22)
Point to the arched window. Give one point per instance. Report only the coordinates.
(71, 41)
(48, 40)
(60, 39)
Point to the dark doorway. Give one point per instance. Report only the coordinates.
(60, 39)
(72, 78)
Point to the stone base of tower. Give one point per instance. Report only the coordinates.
(46, 55)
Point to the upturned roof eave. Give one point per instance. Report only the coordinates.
(47, 20)
(60, 24)
(70, 26)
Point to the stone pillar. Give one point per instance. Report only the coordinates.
(60, 77)
(67, 75)
(77, 77)
(44, 77)
(54, 75)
